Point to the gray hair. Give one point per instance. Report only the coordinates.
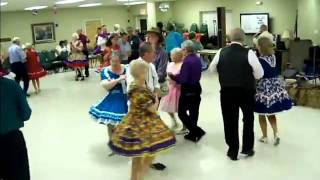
(145, 48)
(188, 45)
(237, 35)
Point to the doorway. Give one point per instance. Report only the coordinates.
(91, 30)
(143, 25)
(210, 18)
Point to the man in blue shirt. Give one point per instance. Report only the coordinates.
(173, 38)
(17, 59)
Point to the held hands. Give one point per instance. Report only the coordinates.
(171, 76)
(122, 77)
(154, 107)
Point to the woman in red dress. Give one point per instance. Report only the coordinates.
(35, 70)
(111, 46)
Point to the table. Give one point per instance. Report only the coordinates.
(94, 59)
(208, 52)
(208, 55)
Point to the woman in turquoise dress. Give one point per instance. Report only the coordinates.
(113, 107)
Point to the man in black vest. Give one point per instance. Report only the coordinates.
(238, 70)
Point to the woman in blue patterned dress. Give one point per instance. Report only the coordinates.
(271, 97)
(113, 107)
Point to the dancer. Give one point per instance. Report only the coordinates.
(147, 54)
(113, 107)
(238, 70)
(77, 60)
(35, 70)
(96, 36)
(170, 102)
(101, 40)
(271, 97)
(111, 46)
(190, 98)
(17, 59)
(85, 41)
(141, 135)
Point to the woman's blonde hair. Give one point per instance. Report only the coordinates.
(178, 52)
(265, 46)
(28, 45)
(75, 36)
(136, 67)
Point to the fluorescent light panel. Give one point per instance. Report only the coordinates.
(130, 1)
(3, 3)
(90, 5)
(135, 3)
(68, 1)
(35, 8)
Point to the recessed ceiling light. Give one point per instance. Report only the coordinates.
(3, 3)
(90, 5)
(35, 8)
(259, 3)
(68, 1)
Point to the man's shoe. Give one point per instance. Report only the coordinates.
(232, 156)
(201, 135)
(248, 153)
(191, 137)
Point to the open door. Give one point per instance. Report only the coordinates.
(91, 30)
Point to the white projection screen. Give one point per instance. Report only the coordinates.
(251, 23)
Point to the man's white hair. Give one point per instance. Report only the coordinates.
(15, 39)
(188, 45)
(237, 35)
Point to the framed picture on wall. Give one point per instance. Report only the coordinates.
(43, 33)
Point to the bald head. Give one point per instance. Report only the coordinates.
(237, 35)
(263, 28)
